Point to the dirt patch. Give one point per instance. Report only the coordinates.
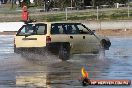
(115, 32)
(7, 33)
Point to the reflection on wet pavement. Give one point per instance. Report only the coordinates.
(30, 70)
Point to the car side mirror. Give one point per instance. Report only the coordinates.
(93, 31)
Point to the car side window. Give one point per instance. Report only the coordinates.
(64, 28)
(71, 29)
(40, 29)
(57, 28)
(82, 29)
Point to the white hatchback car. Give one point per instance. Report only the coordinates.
(60, 38)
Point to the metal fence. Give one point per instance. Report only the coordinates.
(96, 18)
(118, 24)
(99, 18)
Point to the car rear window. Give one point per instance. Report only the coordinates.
(37, 29)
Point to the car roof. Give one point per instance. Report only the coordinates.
(54, 22)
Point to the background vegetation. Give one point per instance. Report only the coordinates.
(68, 3)
(14, 14)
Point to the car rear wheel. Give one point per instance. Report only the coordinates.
(64, 53)
(16, 50)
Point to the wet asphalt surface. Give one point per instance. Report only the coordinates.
(30, 70)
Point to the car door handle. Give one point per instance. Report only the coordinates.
(71, 37)
(29, 38)
(83, 37)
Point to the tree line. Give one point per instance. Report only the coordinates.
(68, 3)
(77, 3)
(109, 2)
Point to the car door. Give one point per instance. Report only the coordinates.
(31, 35)
(66, 32)
(74, 38)
(90, 43)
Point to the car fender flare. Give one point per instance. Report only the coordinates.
(105, 44)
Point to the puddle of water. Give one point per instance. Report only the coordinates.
(101, 55)
(31, 70)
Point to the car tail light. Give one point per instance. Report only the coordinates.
(48, 39)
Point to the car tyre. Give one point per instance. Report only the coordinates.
(64, 53)
(105, 44)
(16, 50)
